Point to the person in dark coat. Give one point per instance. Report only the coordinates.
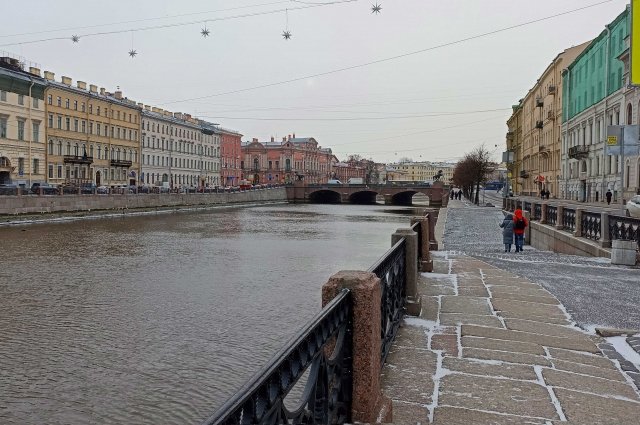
(608, 195)
(507, 232)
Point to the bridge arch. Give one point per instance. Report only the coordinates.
(363, 197)
(325, 197)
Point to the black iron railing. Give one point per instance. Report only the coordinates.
(537, 212)
(569, 219)
(390, 269)
(590, 225)
(326, 398)
(624, 228)
(527, 206)
(552, 215)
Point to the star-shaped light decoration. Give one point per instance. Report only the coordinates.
(286, 35)
(205, 32)
(376, 8)
(132, 53)
(75, 38)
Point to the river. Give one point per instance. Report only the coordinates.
(158, 319)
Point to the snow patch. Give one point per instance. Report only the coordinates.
(590, 329)
(552, 394)
(625, 350)
(420, 323)
(440, 372)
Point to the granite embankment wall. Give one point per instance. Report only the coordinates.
(18, 205)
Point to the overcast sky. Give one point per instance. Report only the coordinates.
(377, 111)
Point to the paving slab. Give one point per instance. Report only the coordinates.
(431, 289)
(523, 308)
(556, 320)
(412, 336)
(544, 328)
(407, 375)
(533, 290)
(409, 413)
(502, 345)
(466, 305)
(600, 386)
(529, 298)
(581, 408)
(505, 356)
(446, 415)
(474, 291)
(599, 372)
(448, 344)
(496, 395)
(582, 358)
(473, 367)
(453, 319)
(579, 343)
(430, 308)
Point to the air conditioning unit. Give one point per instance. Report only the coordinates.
(539, 124)
(539, 102)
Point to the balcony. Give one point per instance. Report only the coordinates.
(77, 159)
(542, 148)
(552, 89)
(550, 115)
(120, 163)
(539, 124)
(524, 174)
(578, 152)
(510, 135)
(539, 102)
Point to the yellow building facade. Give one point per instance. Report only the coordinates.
(539, 155)
(92, 135)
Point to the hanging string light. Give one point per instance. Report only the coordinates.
(75, 38)
(376, 8)
(132, 52)
(286, 34)
(205, 31)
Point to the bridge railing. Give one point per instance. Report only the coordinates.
(335, 349)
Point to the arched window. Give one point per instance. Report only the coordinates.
(68, 148)
(75, 149)
(629, 114)
(59, 148)
(50, 147)
(255, 164)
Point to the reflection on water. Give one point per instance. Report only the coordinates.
(159, 319)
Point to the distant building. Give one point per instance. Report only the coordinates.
(22, 120)
(286, 161)
(92, 136)
(424, 171)
(344, 171)
(230, 157)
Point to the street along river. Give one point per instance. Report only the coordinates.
(158, 319)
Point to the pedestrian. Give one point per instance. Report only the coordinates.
(453, 193)
(548, 193)
(519, 224)
(542, 192)
(507, 231)
(608, 195)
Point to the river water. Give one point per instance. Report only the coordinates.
(158, 319)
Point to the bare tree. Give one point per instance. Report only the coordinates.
(474, 170)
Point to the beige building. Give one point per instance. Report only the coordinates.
(92, 135)
(420, 171)
(539, 157)
(22, 115)
(514, 145)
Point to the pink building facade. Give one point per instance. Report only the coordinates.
(230, 157)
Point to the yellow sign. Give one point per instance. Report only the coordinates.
(635, 42)
(612, 140)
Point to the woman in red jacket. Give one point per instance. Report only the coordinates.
(519, 224)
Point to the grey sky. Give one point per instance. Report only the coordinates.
(177, 63)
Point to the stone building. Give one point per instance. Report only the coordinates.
(286, 161)
(92, 136)
(515, 171)
(230, 157)
(178, 150)
(423, 171)
(541, 117)
(22, 117)
(594, 97)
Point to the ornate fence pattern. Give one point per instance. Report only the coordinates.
(527, 206)
(537, 212)
(591, 226)
(552, 215)
(327, 395)
(569, 219)
(624, 228)
(390, 269)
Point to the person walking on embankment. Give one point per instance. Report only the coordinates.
(519, 224)
(507, 231)
(608, 195)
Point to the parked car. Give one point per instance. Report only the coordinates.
(88, 188)
(47, 189)
(633, 207)
(334, 181)
(102, 190)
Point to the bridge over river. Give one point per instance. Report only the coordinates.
(366, 194)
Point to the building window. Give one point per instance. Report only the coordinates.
(90, 127)
(82, 107)
(20, 99)
(98, 129)
(59, 101)
(50, 120)
(50, 171)
(21, 166)
(84, 126)
(50, 100)
(59, 148)
(36, 166)
(75, 125)
(59, 122)
(97, 110)
(59, 171)
(3, 95)
(36, 102)
(90, 108)
(20, 130)
(3, 128)
(68, 124)
(50, 147)
(36, 131)
(66, 104)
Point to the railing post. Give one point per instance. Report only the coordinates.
(605, 239)
(368, 402)
(543, 213)
(560, 217)
(425, 261)
(578, 231)
(433, 218)
(414, 303)
(527, 232)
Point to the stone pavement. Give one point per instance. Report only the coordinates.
(491, 347)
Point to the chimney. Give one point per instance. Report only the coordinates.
(102, 91)
(82, 85)
(147, 107)
(66, 80)
(117, 94)
(155, 109)
(34, 71)
(255, 140)
(140, 104)
(177, 115)
(50, 76)
(284, 139)
(167, 114)
(93, 88)
(272, 139)
(187, 117)
(289, 137)
(294, 135)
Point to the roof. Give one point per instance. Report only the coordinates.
(105, 97)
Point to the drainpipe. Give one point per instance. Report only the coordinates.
(30, 132)
(606, 97)
(566, 139)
